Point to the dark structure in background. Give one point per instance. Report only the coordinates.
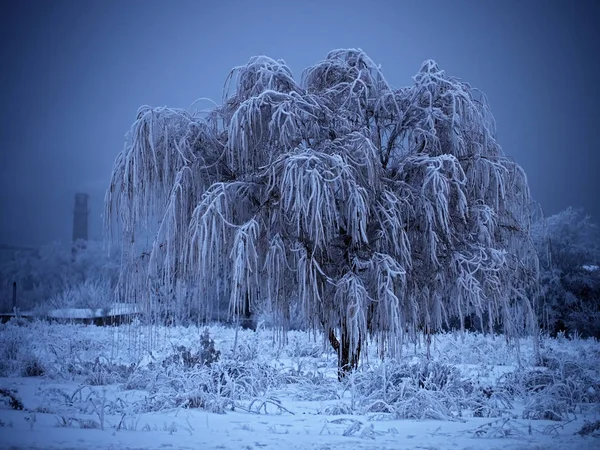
(80, 218)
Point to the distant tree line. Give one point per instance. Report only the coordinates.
(568, 245)
(60, 275)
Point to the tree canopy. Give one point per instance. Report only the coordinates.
(375, 210)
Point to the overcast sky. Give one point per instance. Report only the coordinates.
(73, 75)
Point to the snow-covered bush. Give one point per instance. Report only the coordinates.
(474, 348)
(590, 428)
(204, 377)
(205, 356)
(187, 388)
(11, 398)
(336, 409)
(554, 392)
(568, 245)
(91, 293)
(313, 386)
(421, 390)
(32, 366)
(18, 356)
(102, 372)
(490, 402)
(301, 348)
(215, 387)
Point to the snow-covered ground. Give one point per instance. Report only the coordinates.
(75, 386)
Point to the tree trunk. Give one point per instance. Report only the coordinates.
(427, 336)
(347, 359)
(247, 320)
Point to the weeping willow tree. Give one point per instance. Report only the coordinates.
(376, 212)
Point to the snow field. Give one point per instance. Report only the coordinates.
(74, 386)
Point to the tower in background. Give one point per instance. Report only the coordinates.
(80, 218)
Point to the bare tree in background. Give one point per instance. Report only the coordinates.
(379, 211)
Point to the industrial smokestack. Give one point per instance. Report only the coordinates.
(80, 218)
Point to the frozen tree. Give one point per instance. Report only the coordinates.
(568, 244)
(379, 211)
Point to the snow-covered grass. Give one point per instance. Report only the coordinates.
(75, 386)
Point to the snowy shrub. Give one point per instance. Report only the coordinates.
(335, 409)
(11, 346)
(473, 348)
(193, 388)
(249, 379)
(202, 379)
(17, 353)
(568, 244)
(139, 379)
(208, 353)
(429, 375)
(183, 357)
(73, 408)
(425, 390)
(315, 387)
(197, 387)
(11, 398)
(298, 348)
(553, 402)
(525, 381)
(32, 366)
(205, 356)
(91, 294)
(102, 372)
(490, 402)
(248, 349)
(436, 376)
(554, 392)
(590, 428)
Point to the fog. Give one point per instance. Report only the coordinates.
(74, 74)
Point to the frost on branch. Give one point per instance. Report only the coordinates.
(379, 211)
